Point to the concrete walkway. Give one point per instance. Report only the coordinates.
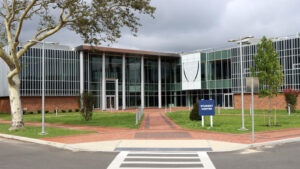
(158, 131)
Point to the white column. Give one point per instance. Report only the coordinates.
(123, 83)
(103, 83)
(142, 83)
(81, 72)
(159, 81)
(117, 94)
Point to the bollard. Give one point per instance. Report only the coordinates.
(289, 109)
(56, 111)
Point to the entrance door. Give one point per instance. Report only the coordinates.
(228, 101)
(110, 102)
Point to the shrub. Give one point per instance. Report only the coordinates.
(54, 111)
(88, 100)
(76, 110)
(291, 96)
(39, 111)
(31, 112)
(70, 110)
(47, 111)
(194, 114)
(63, 111)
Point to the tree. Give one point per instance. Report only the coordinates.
(88, 100)
(268, 70)
(95, 21)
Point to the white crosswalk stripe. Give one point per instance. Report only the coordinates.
(161, 160)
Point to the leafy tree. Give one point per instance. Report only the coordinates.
(194, 114)
(268, 70)
(95, 21)
(88, 101)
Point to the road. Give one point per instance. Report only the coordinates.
(21, 155)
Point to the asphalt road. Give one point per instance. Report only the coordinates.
(20, 155)
(286, 156)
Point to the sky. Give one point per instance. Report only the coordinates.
(188, 25)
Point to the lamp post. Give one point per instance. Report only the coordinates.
(43, 83)
(241, 41)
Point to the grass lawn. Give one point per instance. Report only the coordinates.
(33, 131)
(231, 123)
(121, 120)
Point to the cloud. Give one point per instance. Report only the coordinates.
(187, 25)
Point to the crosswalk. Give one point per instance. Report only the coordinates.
(159, 160)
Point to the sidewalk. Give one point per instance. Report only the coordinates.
(158, 131)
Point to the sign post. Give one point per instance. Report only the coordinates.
(207, 108)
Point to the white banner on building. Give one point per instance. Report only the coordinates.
(191, 71)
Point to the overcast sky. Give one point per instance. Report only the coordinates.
(187, 25)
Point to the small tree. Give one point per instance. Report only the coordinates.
(268, 70)
(194, 114)
(88, 101)
(291, 96)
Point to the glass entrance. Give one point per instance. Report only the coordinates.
(110, 102)
(228, 101)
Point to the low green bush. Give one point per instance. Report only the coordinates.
(39, 111)
(76, 110)
(47, 111)
(63, 111)
(70, 110)
(194, 114)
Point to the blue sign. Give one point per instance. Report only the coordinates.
(206, 107)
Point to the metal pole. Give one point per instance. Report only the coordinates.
(202, 121)
(242, 86)
(252, 107)
(43, 91)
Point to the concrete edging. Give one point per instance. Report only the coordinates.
(42, 142)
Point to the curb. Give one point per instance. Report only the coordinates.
(42, 142)
(76, 149)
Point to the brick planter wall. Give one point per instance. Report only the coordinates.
(35, 103)
(262, 103)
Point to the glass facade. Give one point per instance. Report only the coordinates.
(61, 72)
(220, 74)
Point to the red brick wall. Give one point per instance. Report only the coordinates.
(4, 105)
(262, 103)
(35, 103)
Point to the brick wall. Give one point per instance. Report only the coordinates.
(262, 103)
(35, 103)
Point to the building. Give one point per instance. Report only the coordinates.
(135, 78)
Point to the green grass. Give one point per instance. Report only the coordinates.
(33, 131)
(238, 111)
(120, 120)
(231, 123)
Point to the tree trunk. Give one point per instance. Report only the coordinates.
(269, 112)
(15, 104)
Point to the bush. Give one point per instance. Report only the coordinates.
(54, 111)
(194, 114)
(47, 111)
(31, 112)
(291, 96)
(88, 100)
(39, 111)
(63, 111)
(70, 110)
(76, 110)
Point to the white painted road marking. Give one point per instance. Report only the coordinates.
(161, 160)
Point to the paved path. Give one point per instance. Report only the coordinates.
(157, 126)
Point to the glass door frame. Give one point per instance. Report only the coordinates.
(227, 95)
